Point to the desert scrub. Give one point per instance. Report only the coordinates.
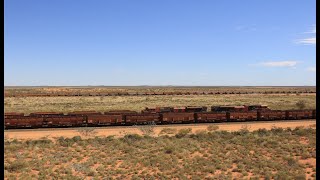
(212, 128)
(168, 131)
(198, 155)
(183, 132)
(138, 103)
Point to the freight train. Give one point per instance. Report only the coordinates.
(158, 115)
(43, 94)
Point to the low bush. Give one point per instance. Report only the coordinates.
(183, 132)
(168, 131)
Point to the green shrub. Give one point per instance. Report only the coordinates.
(300, 177)
(183, 132)
(16, 165)
(76, 138)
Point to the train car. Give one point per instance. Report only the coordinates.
(120, 112)
(299, 114)
(46, 114)
(242, 116)
(83, 113)
(271, 115)
(158, 110)
(203, 117)
(124, 94)
(99, 120)
(12, 115)
(168, 93)
(179, 109)
(229, 108)
(141, 118)
(258, 107)
(196, 109)
(184, 117)
(23, 122)
(64, 121)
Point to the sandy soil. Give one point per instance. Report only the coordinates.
(121, 131)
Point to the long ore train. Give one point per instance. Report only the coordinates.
(158, 115)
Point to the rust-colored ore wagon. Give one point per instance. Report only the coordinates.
(242, 116)
(84, 113)
(179, 109)
(299, 114)
(64, 121)
(229, 108)
(46, 114)
(196, 109)
(271, 115)
(258, 107)
(211, 116)
(11, 115)
(24, 122)
(99, 120)
(183, 117)
(157, 110)
(120, 112)
(142, 118)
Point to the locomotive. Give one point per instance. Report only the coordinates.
(158, 115)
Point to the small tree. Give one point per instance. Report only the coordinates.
(301, 104)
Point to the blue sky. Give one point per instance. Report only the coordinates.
(143, 42)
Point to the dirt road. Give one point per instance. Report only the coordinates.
(121, 131)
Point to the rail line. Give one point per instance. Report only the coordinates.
(161, 125)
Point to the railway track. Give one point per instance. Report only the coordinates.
(121, 131)
(161, 125)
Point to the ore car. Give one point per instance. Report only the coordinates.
(183, 117)
(83, 113)
(196, 109)
(24, 122)
(64, 121)
(141, 118)
(258, 107)
(99, 120)
(211, 117)
(272, 115)
(242, 116)
(12, 115)
(46, 114)
(229, 108)
(299, 114)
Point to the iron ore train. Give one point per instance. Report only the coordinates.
(48, 94)
(158, 115)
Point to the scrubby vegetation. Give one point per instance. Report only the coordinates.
(270, 154)
(137, 103)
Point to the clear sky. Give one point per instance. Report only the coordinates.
(160, 42)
